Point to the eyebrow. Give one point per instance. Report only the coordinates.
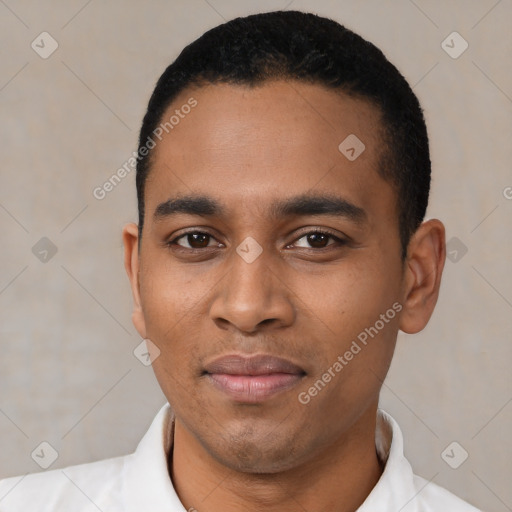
(297, 206)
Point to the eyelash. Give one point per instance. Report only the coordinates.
(338, 241)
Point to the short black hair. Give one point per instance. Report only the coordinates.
(293, 45)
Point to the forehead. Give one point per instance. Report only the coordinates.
(278, 139)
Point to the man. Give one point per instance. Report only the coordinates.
(282, 180)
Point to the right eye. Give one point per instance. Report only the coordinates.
(193, 240)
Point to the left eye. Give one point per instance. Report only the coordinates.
(317, 240)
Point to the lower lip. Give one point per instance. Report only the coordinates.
(253, 388)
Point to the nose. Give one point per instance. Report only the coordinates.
(252, 296)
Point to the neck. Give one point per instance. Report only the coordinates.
(339, 478)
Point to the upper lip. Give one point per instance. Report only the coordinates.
(261, 364)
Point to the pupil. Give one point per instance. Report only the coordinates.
(200, 239)
(313, 239)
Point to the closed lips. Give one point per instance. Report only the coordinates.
(252, 365)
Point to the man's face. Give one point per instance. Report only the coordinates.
(305, 298)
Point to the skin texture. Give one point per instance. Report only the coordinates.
(303, 301)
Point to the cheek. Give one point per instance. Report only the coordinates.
(171, 310)
(168, 293)
(348, 299)
(347, 309)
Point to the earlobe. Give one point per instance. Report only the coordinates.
(424, 267)
(132, 266)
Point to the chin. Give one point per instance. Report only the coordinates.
(255, 458)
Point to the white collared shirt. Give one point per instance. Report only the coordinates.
(140, 482)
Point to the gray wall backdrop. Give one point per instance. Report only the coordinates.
(68, 375)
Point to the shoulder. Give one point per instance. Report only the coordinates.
(82, 487)
(434, 498)
(110, 485)
(399, 486)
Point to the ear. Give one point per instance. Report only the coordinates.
(131, 264)
(424, 265)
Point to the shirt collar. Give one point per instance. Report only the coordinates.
(147, 484)
(146, 481)
(395, 489)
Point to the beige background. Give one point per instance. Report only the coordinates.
(67, 372)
